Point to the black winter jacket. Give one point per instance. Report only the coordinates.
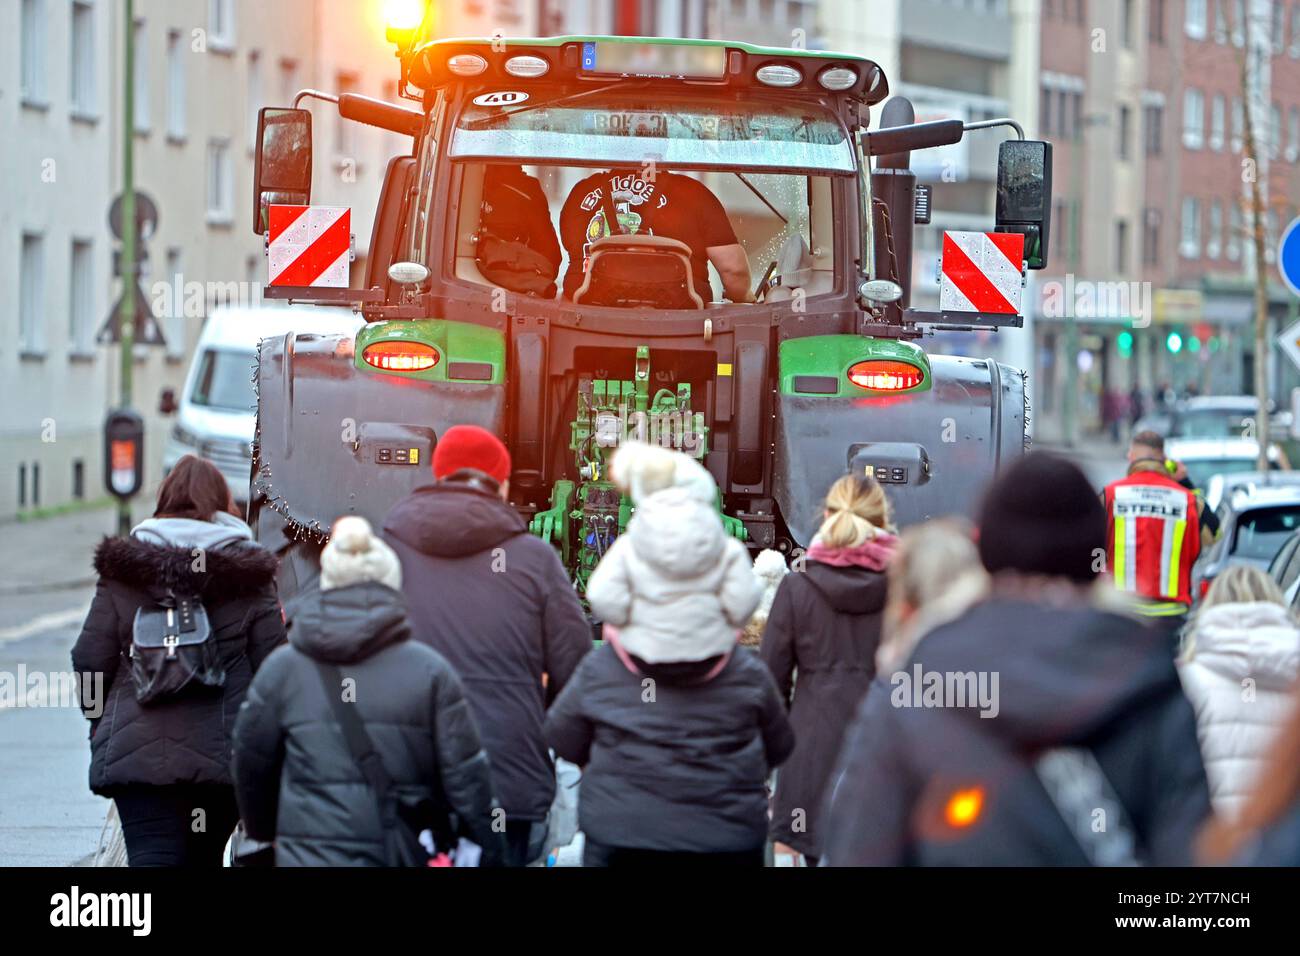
(295, 777)
(824, 625)
(670, 763)
(495, 601)
(185, 739)
(1068, 675)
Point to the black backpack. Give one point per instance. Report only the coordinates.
(173, 649)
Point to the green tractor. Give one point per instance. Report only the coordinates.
(777, 383)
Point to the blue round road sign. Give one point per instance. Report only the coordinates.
(1288, 256)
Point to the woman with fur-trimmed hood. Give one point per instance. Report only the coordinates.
(167, 763)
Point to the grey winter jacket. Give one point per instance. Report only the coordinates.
(296, 779)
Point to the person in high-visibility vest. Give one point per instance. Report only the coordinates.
(1154, 531)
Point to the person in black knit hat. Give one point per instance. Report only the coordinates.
(1042, 517)
(1084, 710)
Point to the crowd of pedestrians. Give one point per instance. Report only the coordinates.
(955, 694)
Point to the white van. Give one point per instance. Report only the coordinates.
(217, 412)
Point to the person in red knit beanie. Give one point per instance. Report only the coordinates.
(496, 602)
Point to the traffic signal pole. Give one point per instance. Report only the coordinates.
(127, 306)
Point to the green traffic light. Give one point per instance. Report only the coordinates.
(1174, 342)
(1125, 344)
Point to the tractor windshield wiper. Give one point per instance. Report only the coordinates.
(755, 190)
(495, 118)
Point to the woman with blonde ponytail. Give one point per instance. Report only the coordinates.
(824, 626)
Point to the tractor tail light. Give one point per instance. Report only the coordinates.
(400, 356)
(885, 375)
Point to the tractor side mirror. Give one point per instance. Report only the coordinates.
(1024, 202)
(167, 404)
(282, 174)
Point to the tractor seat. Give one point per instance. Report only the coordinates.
(630, 271)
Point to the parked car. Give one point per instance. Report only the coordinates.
(217, 412)
(1214, 416)
(1207, 457)
(1255, 527)
(1285, 568)
(1224, 486)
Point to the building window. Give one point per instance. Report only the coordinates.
(221, 25)
(36, 484)
(1270, 236)
(22, 486)
(1195, 19)
(288, 81)
(31, 295)
(175, 85)
(1189, 245)
(1156, 21)
(1214, 239)
(1151, 237)
(1220, 21)
(1238, 124)
(1278, 26)
(1236, 226)
(32, 68)
(78, 479)
(1238, 22)
(141, 53)
(175, 318)
(220, 204)
(1218, 122)
(1293, 134)
(1045, 112)
(1274, 131)
(1153, 129)
(1193, 119)
(81, 319)
(1121, 246)
(81, 81)
(1294, 49)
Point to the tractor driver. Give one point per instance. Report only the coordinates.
(665, 204)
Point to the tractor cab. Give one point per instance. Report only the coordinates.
(601, 238)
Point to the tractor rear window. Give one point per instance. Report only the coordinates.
(619, 128)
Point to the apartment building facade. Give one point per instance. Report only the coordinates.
(1151, 279)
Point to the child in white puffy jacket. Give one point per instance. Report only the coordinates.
(676, 585)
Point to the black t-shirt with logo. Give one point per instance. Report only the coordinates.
(673, 206)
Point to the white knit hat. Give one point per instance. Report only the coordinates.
(355, 555)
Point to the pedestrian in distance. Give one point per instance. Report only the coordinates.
(495, 601)
(350, 652)
(1239, 667)
(677, 728)
(820, 645)
(161, 745)
(1010, 726)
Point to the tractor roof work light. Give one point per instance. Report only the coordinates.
(402, 19)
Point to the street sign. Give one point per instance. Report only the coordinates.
(147, 330)
(146, 216)
(1289, 340)
(1288, 256)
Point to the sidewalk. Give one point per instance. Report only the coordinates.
(52, 554)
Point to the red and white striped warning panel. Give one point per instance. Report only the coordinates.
(982, 272)
(309, 246)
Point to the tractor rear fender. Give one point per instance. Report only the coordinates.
(934, 447)
(337, 436)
